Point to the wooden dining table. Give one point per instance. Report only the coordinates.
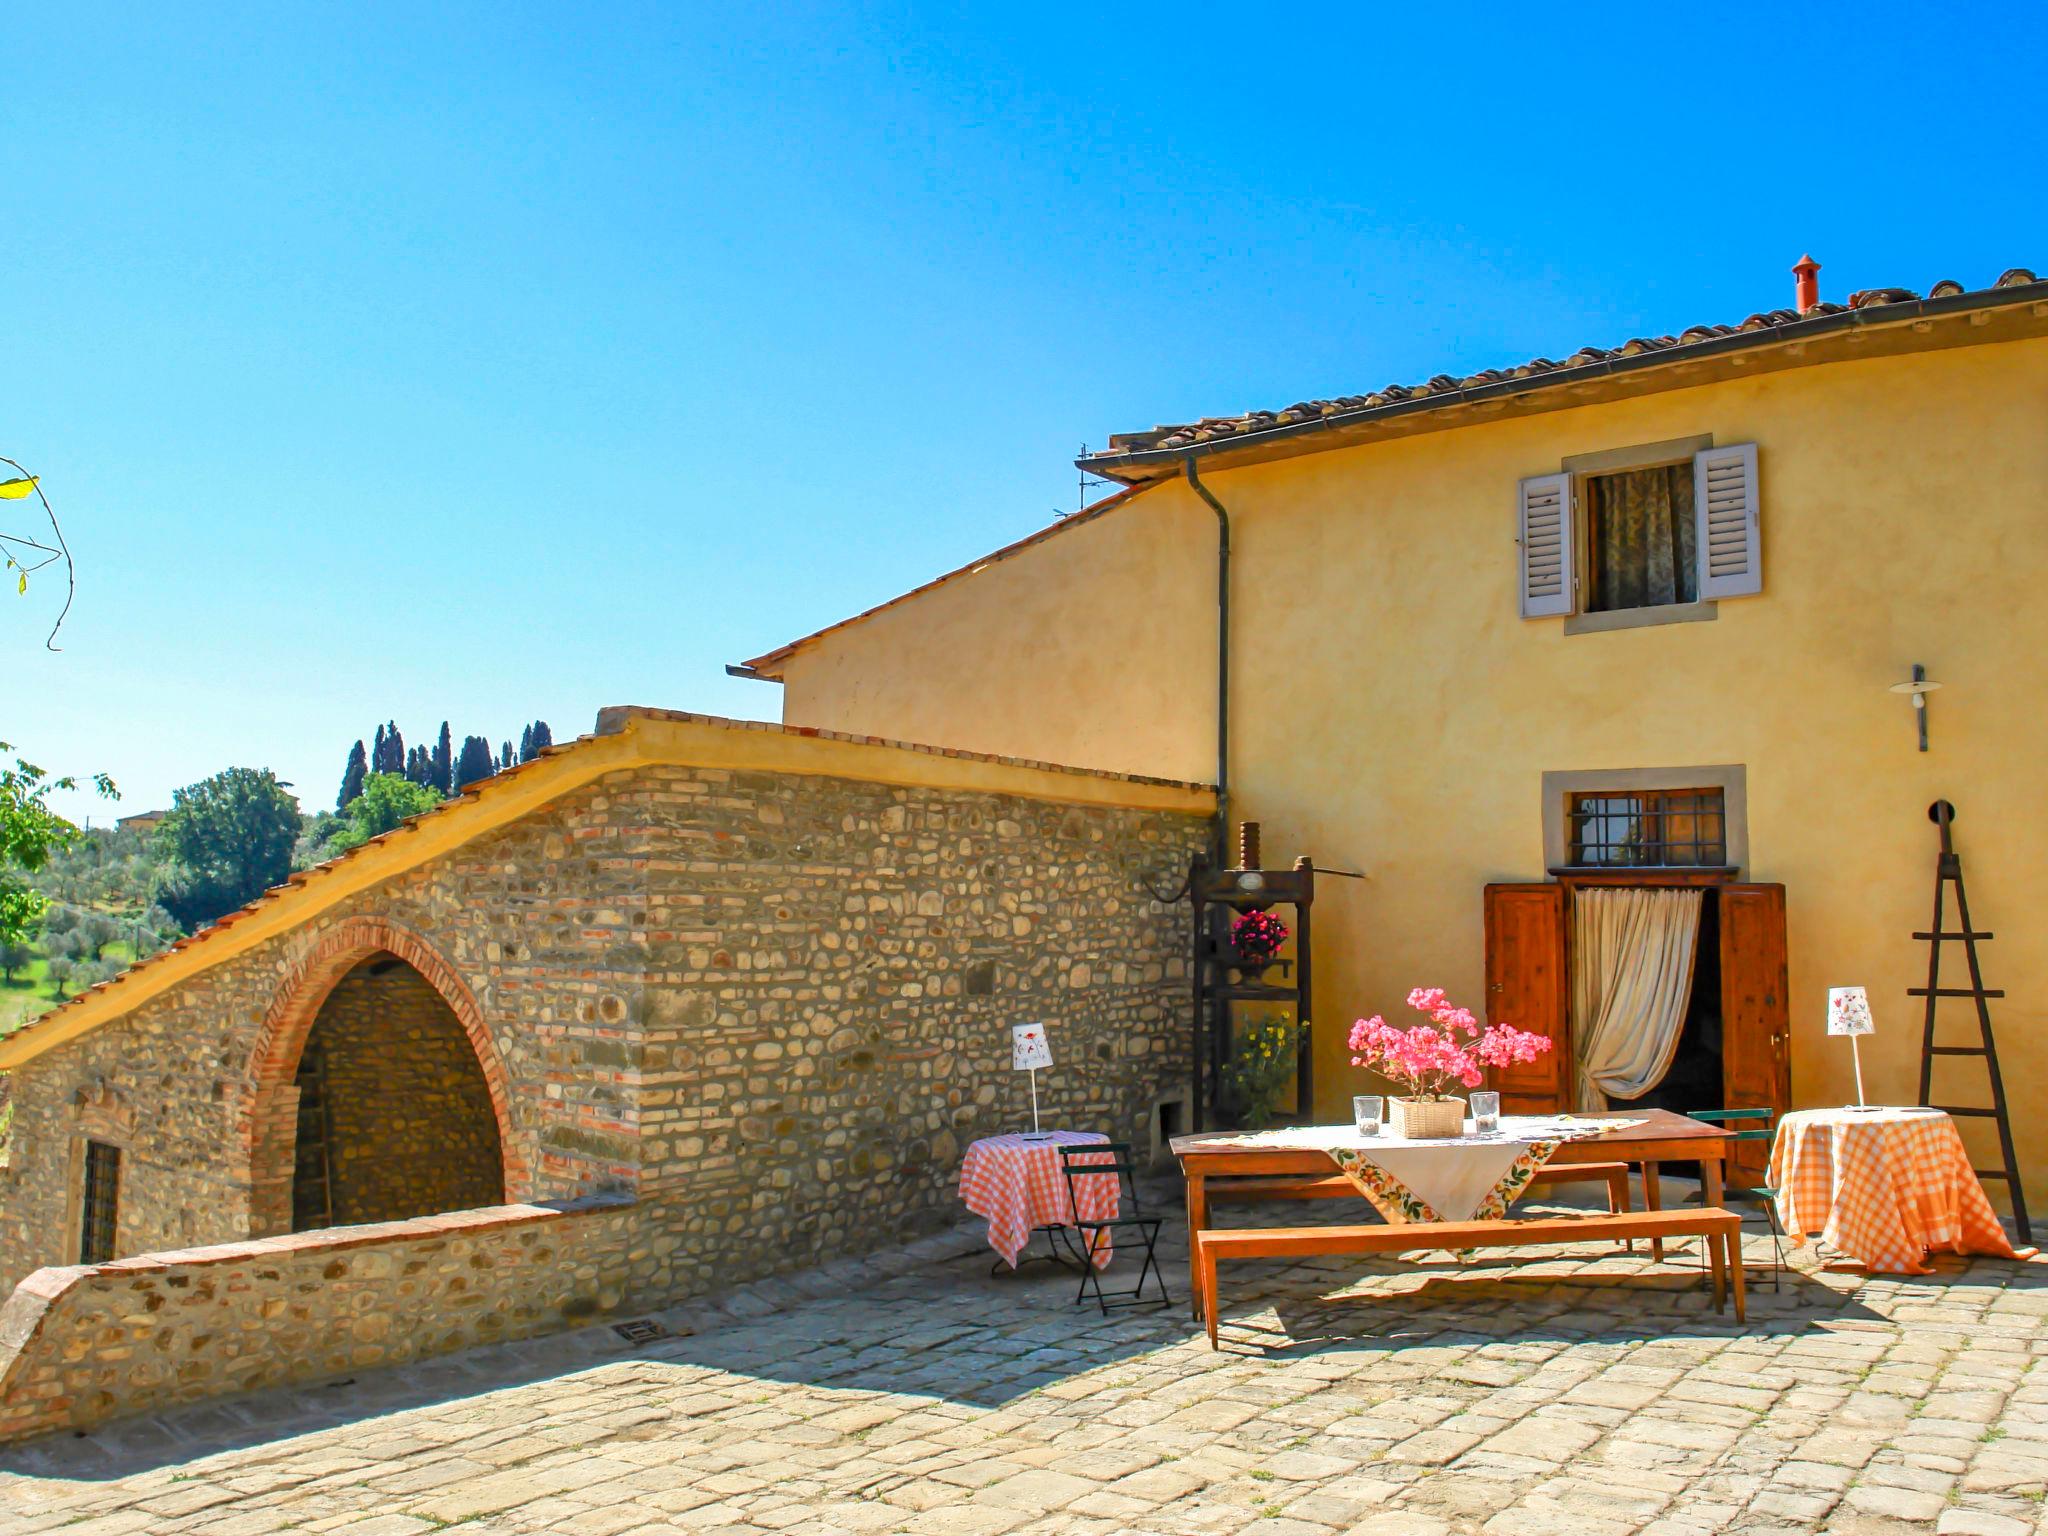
(1658, 1136)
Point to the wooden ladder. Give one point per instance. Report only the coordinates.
(1949, 868)
(313, 1169)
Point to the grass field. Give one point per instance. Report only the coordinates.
(30, 992)
(19, 1003)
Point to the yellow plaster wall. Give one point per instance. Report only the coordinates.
(1094, 647)
(1392, 713)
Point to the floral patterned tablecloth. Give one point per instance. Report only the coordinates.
(1472, 1177)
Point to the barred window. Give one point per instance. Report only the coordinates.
(1648, 828)
(101, 1203)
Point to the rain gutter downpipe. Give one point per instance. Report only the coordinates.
(1220, 840)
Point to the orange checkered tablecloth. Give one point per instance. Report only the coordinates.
(1018, 1185)
(1884, 1186)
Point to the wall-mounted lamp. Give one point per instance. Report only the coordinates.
(1919, 688)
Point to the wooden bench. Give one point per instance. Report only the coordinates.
(1722, 1230)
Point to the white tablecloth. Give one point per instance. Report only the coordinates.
(1461, 1178)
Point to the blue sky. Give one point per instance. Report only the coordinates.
(507, 361)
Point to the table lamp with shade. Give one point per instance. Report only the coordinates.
(1029, 1051)
(1849, 1014)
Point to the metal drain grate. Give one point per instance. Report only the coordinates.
(640, 1330)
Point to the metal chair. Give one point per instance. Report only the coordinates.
(1111, 1159)
(1765, 1131)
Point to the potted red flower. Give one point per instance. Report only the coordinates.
(1255, 939)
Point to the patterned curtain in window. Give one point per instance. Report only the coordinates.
(1643, 537)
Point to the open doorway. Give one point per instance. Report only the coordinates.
(1735, 1008)
(1696, 1078)
(394, 1115)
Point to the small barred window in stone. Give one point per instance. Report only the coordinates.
(102, 1189)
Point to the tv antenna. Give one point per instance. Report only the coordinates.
(1088, 483)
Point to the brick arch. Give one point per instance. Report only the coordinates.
(271, 1131)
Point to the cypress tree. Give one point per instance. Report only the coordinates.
(444, 762)
(377, 752)
(542, 737)
(394, 750)
(505, 757)
(526, 745)
(475, 762)
(352, 776)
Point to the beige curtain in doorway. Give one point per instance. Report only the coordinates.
(1632, 957)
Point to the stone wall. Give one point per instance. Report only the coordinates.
(538, 922)
(85, 1344)
(772, 1005)
(834, 967)
(410, 1129)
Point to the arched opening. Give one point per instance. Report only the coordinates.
(394, 1113)
(321, 962)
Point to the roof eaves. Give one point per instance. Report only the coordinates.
(1642, 354)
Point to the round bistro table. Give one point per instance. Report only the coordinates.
(1016, 1182)
(1886, 1187)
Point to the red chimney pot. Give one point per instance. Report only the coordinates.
(1806, 285)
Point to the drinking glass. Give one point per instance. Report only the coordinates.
(1366, 1109)
(1485, 1112)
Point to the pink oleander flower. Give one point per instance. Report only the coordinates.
(1429, 1058)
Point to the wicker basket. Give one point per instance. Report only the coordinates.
(1428, 1119)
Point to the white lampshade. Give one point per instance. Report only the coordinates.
(1849, 1012)
(1028, 1047)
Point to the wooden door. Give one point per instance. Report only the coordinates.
(1527, 985)
(1755, 1018)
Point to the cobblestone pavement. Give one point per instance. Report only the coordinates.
(1581, 1396)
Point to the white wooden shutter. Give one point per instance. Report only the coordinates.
(1543, 511)
(1731, 550)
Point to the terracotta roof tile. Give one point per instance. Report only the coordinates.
(1221, 431)
(1217, 429)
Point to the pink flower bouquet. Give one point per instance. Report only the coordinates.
(1451, 1049)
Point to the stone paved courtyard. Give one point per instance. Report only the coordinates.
(916, 1393)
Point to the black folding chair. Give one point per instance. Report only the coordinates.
(1111, 1160)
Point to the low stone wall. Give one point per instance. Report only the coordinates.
(87, 1343)
(760, 982)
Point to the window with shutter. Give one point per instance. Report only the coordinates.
(1646, 535)
(1730, 545)
(1544, 516)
